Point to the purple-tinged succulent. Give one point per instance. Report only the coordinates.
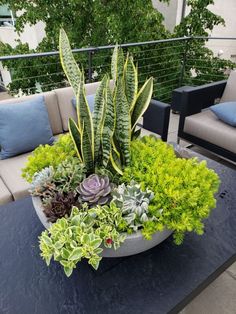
(95, 190)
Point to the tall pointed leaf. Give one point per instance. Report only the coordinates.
(142, 102)
(117, 167)
(68, 62)
(123, 126)
(86, 150)
(108, 126)
(117, 63)
(76, 136)
(98, 115)
(84, 115)
(131, 81)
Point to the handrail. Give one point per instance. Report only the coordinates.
(91, 49)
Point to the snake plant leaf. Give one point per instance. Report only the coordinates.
(98, 114)
(76, 137)
(131, 81)
(68, 62)
(142, 102)
(123, 123)
(108, 126)
(84, 114)
(86, 150)
(115, 162)
(117, 63)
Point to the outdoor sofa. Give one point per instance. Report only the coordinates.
(59, 107)
(200, 126)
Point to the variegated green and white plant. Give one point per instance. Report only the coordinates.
(102, 139)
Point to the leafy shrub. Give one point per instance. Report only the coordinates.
(46, 156)
(183, 188)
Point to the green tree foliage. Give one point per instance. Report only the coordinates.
(105, 22)
(200, 60)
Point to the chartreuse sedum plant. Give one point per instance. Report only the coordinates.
(183, 188)
(82, 235)
(102, 139)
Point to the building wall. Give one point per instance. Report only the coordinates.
(171, 12)
(224, 48)
(32, 35)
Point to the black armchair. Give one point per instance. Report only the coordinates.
(193, 101)
(156, 118)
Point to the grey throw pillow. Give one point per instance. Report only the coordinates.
(24, 126)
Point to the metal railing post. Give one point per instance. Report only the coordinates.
(90, 65)
(181, 79)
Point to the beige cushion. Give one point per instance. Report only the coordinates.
(230, 89)
(64, 96)
(208, 127)
(10, 172)
(5, 195)
(52, 107)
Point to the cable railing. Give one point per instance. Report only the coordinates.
(172, 63)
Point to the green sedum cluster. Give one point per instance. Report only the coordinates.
(183, 188)
(46, 156)
(81, 235)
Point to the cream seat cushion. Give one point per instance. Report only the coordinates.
(64, 96)
(52, 107)
(229, 93)
(207, 126)
(10, 172)
(5, 195)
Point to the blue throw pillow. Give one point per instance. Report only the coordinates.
(23, 127)
(90, 100)
(226, 111)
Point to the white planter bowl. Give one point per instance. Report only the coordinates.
(133, 244)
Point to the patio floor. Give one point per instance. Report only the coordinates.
(220, 296)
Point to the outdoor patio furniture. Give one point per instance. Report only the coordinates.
(60, 109)
(162, 280)
(200, 126)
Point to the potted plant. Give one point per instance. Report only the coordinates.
(104, 191)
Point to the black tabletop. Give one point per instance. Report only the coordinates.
(161, 280)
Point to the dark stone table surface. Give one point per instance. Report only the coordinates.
(161, 280)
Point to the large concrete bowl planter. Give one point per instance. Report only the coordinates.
(133, 244)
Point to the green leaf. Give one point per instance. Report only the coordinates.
(68, 62)
(94, 261)
(86, 150)
(84, 113)
(96, 243)
(131, 81)
(76, 254)
(76, 137)
(142, 102)
(116, 166)
(108, 126)
(98, 113)
(68, 271)
(117, 63)
(123, 127)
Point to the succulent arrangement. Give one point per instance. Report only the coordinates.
(102, 182)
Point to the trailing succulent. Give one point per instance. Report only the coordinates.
(133, 203)
(103, 139)
(81, 235)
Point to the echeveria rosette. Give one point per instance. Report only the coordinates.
(95, 189)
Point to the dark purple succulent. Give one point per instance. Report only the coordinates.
(59, 206)
(95, 190)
